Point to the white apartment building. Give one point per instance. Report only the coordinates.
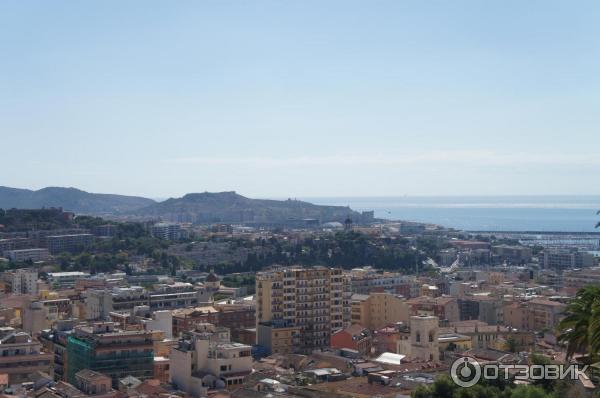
(22, 281)
(166, 231)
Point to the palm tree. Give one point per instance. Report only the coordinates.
(580, 329)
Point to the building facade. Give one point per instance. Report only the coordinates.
(378, 310)
(117, 353)
(207, 359)
(316, 301)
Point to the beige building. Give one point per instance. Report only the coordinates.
(378, 310)
(207, 359)
(443, 307)
(424, 331)
(281, 340)
(314, 301)
(536, 314)
(20, 356)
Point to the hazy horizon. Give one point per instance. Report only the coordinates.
(302, 99)
(360, 197)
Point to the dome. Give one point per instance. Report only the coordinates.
(212, 277)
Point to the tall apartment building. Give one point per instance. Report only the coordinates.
(68, 243)
(20, 356)
(22, 281)
(307, 305)
(117, 353)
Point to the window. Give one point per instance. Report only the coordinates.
(418, 337)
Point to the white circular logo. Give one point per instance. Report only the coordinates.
(465, 372)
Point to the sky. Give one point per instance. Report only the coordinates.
(301, 98)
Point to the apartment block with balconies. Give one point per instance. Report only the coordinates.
(298, 309)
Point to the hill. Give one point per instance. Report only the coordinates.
(70, 199)
(230, 207)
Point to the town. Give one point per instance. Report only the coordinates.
(94, 307)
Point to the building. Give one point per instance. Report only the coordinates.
(175, 295)
(454, 342)
(15, 244)
(22, 255)
(99, 303)
(566, 259)
(207, 360)
(94, 383)
(488, 336)
(443, 307)
(576, 279)
(469, 244)
(355, 337)
(116, 353)
(481, 307)
(277, 339)
(367, 280)
(545, 314)
(424, 331)
(107, 230)
(377, 310)
(68, 243)
(55, 341)
(166, 231)
(316, 301)
(160, 320)
(512, 254)
(537, 314)
(35, 318)
(66, 280)
(22, 281)
(20, 356)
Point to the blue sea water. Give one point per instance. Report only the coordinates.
(479, 213)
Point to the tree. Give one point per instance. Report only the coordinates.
(580, 329)
(512, 344)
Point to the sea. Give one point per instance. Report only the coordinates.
(483, 213)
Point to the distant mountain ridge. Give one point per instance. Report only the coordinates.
(70, 199)
(206, 207)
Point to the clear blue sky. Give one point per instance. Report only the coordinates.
(301, 98)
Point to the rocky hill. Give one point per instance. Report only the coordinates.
(70, 199)
(230, 207)
(207, 207)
